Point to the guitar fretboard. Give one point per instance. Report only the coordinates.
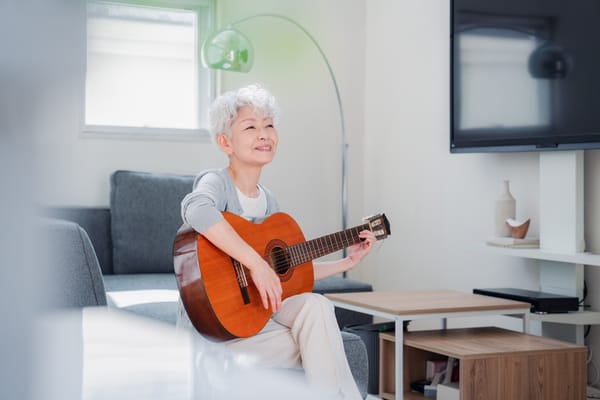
(319, 247)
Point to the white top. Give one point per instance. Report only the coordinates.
(253, 207)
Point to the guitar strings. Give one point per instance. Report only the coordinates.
(295, 254)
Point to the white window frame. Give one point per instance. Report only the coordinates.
(207, 15)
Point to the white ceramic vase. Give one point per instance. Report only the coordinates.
(506, 207)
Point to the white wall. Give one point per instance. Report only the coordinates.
(441, 205)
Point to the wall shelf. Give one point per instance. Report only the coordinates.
(538, 254)
(573, 318)
(587, 317)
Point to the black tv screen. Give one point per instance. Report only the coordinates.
(525, 75)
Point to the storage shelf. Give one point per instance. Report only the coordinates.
(573, 318)
(538, 254)
(587, 317)
(491, 355)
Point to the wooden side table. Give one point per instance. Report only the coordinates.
(400, 306)
(494, 364)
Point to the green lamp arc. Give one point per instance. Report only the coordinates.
(230, 50)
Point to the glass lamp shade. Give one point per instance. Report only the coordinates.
(229, 50)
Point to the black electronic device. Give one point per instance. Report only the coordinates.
(541, 302)
(525, 75)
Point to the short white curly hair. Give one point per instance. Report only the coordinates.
(223, 111)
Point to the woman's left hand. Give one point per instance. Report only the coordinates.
(358, 251)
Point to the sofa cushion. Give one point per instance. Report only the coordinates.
(145, 216)
(337, 284)
(151, 295)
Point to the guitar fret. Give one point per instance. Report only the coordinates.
(290, 253)
(312, 249)
(296, 255)
(321, 244)
(306, 250)
(303, 248)
(335, 243)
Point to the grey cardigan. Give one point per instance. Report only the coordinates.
(213, 192)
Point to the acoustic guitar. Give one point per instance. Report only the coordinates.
(217, 291)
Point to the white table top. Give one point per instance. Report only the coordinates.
(100, 353)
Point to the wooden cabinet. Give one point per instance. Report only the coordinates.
(494, 364)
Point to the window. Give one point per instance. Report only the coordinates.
(144, 74)
(498, 89)
(494, 67)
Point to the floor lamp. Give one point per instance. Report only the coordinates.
(230, 50)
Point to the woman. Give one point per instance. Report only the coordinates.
(303, 331)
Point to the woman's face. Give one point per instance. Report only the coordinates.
(253, 139)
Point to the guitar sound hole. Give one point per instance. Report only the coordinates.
(279, 260)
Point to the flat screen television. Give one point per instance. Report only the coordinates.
(525, 75)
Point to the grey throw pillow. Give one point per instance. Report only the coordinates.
(145, 216)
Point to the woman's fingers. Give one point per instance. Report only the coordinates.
(269, 288)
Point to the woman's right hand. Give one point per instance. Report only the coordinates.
(222, 235)
(268, 284)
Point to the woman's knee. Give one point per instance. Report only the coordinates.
(316, 302)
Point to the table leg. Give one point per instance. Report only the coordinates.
(399, 359)
(526, 322)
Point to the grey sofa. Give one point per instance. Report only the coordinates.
(132, 242)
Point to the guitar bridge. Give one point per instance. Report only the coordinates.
(240, 276)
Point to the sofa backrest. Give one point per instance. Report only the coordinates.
(145, 216)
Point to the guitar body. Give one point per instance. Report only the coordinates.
(218, 293)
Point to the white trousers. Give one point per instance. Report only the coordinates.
(303, 334)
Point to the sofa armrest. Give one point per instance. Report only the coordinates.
(358, 360)
(73, 266)
(96, 222)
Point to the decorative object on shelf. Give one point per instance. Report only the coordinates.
(518, 229)
(506, 207)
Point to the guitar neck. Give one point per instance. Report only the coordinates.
(306, 251)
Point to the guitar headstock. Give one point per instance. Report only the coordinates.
(379, 225)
